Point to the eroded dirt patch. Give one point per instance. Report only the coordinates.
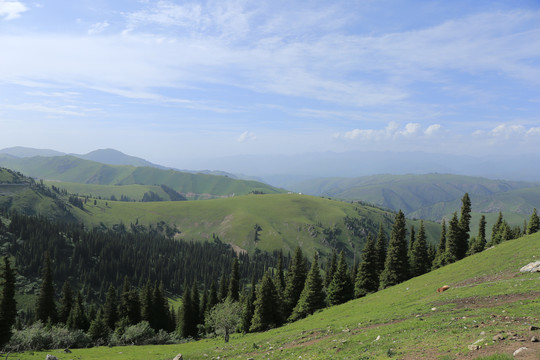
(474, 302)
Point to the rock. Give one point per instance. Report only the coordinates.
(479, 341)
(532, 328)
(531, 267)
(523, 352)
(67, 351)
(534, 339)
(473, 347)
(179, 357)
(51, 357)
(378, 338)
(498, 337)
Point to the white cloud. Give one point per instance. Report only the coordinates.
(98, 28)
(247, 136)
(432, 129)
(10, 10)
(507, 131)
(391, 131)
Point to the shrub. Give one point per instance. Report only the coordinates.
(41, 337)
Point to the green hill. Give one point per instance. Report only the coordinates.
(488, 297)
(76, 170)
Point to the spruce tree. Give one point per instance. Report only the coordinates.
(479, 242)
(146, 302)
(419, 260)
(249, 307)
(412, 238)
(331, 267)
(66, 303)
(296, 277)
(8, 304)
(212, 297)
(266, 314)
(46, 305)
(534, 223)
(195, 309)
(367, 277)
(234, 282)
(185, 326)
(396, 269)
(496, 231)
(341, 288)
(77, 317)
(98, 330)
(440, 255)
(110, 308)
(452, 240)
(312, 297)
(380, 249)
(223, 287)
(464, 227)
(280, 277)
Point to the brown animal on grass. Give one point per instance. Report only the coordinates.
(444, 288)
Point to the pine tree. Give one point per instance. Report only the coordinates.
(331, 267)
(98, 330)
(464, 227)
(110, 308)
(367, 277)
(280, 278)
(312, 297)
(66, 302)
(195, 309)
(77, 317)
(534, 223)
(212, 297)
(419, 260)
(452, 240)
(412, 238)
(223, 287)
(234, 282)
(496, 231)
(46, 306)
(341, 288)
(8, 304)
(249, 308)
(266, 314)
(130, 305)
(185, 326)
(479, 242)
(380, 249)
(146, 302)
(396, 269)
(296, 277)
(440, 255)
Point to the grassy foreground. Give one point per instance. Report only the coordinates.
(487, 296)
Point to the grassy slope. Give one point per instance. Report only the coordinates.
(487, 296)
(285, 219)
(134, 192)
(73, 169)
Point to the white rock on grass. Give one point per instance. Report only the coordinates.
(531, 267)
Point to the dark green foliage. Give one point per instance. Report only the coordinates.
(331, 267)
(186, 326)
(464, 227)
(99, 331)
(151, 196)
(110, 308)
(380, 249)
(367, 277)
(266, 314)
(419, 260)
(8, 304)
(234, 282)
(146, 302)
(195, 308)
(396, 269)
(452, 240)
(341, 288)
(77, 317)
(312, 297)
(440, 256)
(478, 243)
(66, 303)
(497, 231)
(280, 277)
(296, 277)
(222, 288)
(225, 317)
(212, 297)
(46, 306)
(534, 223)
(248, 308)
(130, 305)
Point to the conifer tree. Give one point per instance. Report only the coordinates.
(412, 238)
(66, 302)
(367, 277)
(341, 288)
(296, 277)
(479, 242)
(380, 249)
(440, 255)
(46, 306)
(496, 231)
(534, 223)
(77, 317)
(185, 326)
(312, 297)
(248, 308)
(396, 269)
(160, 308)
(464, 227)
(130, 305)
(98, 330)
(146, 303)
(8, 304)
(223, 287)
(419, 260)
(110, 308)
(195, 309)
(280, 277)
(266, 314)
(234, 282)
(331, 267)
(452, 240)
(212, 297)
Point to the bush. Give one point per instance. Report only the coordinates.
(41, 337)
(139, 334)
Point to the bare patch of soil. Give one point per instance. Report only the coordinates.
(475, 302)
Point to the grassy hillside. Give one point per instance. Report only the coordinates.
(488, 296)
(76, 170)
(285, 220)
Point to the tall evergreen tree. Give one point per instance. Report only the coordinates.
(185, 325)
(223, 287)
(312, 297)
(412, 238)
(419, 260)
(146, 303)
(479, 242)
(497, 231)
(380, 249)
(46, 305)
(280, 277)
(534, 223)
(234, 282)
(296, 277)
(8, 304)
(440, 255)
(396, 269)
(98, 330)
(341, 288)
(249, 308)
(266, 314)
(367, 277)
(77, 317)
(212, 297)
(331, 267)
(195, 308)
(110, 308)
(464, 227)
(66, 302)
(160, 308)
(130, 305)
(452, 240)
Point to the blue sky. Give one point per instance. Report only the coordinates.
(179, 81)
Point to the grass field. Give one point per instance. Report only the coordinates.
(487, 296)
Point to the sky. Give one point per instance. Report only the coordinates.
(176, 82)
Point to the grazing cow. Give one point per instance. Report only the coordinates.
(444, 288)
